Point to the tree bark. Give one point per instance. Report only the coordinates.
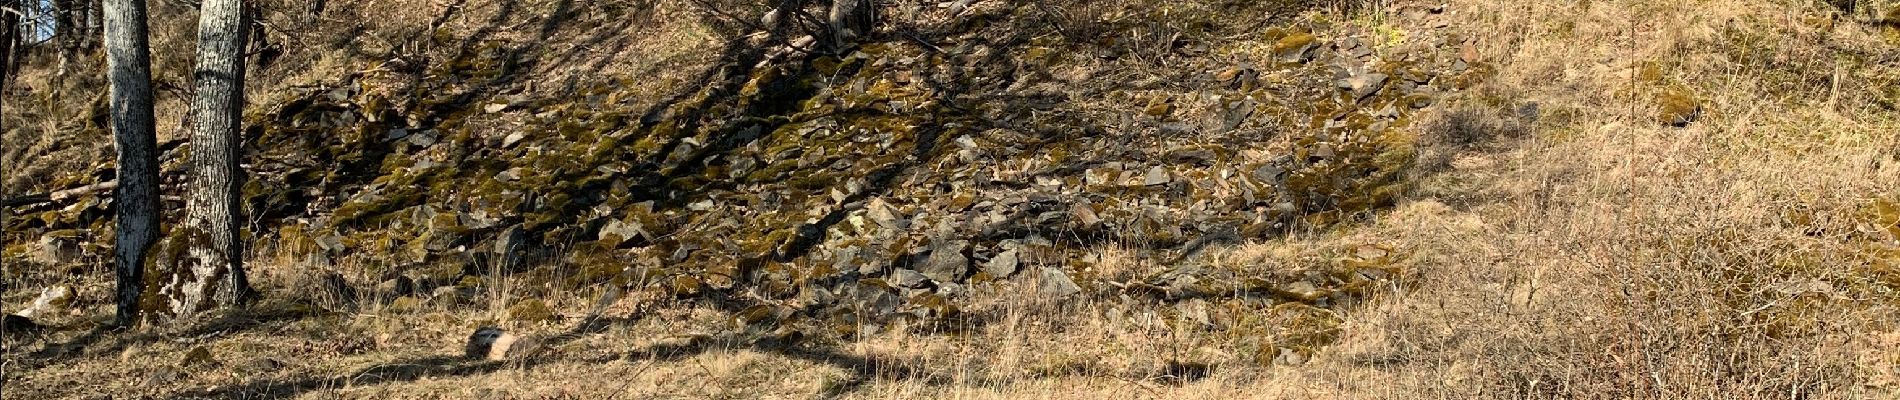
(9, 39)
(65, 20)
(94, 23)
(849, 21)
(212, 271)
(66, 33)
(9, 35)
(128, 67)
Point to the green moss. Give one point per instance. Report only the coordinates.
(812, 182)
(1677, 106)
(531, 310)
(1294, 42)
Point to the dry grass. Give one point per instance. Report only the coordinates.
(1560, 244)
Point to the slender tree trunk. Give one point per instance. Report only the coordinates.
(9, 34)
(65, 20)
(212, 272)
(95, 23)
(66, 34)
(9, 39)
(850, 20)
(128, 66)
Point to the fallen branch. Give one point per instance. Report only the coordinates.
(61, 195)
(169, 150)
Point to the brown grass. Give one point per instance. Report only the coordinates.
(1559, 244)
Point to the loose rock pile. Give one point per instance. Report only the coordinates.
(838, 190)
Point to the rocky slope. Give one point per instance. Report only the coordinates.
(821, 192)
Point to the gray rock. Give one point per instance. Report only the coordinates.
(509, 246)
(338, 95)
(1389, 111)
(884, 214)
(1324, 151)
(873, 300)
(1269, 174)
(948, 261)
(509, 175)
(332, 243)
(1085, 214)
(1528, 112)
(952, 290)
(1003, 264)
(617, 232)
(451, 295)
(52, 299)
(846, 258)
(1055, 283)
(1363, 85)
(905, 278)
(478, 220)
(1184, 285)
(56, 250)
(1196, 310)
(425, 138)
(1289, 357)
(1238, 113)
(1353, 48)
(1156, 176)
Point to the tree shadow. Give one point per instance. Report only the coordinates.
(106, 339)
(408, 370)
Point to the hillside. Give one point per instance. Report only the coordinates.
(1201, 199)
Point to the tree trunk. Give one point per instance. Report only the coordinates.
(94, 23)
(850, 20)
(212, 271)
(9, 39)
(66, 33)
(128, 67)
(65, 20)
(9, 36)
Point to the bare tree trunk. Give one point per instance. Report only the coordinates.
(94, 23)
(65, 32)
(212, 272)
(849, 21)
(128, 66)
(65, 20)
(313, 11)
(9, 40)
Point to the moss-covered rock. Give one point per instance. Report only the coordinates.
(1678, 107)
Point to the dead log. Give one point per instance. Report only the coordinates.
(58, 196)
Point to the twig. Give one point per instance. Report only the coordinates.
(920, 40)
